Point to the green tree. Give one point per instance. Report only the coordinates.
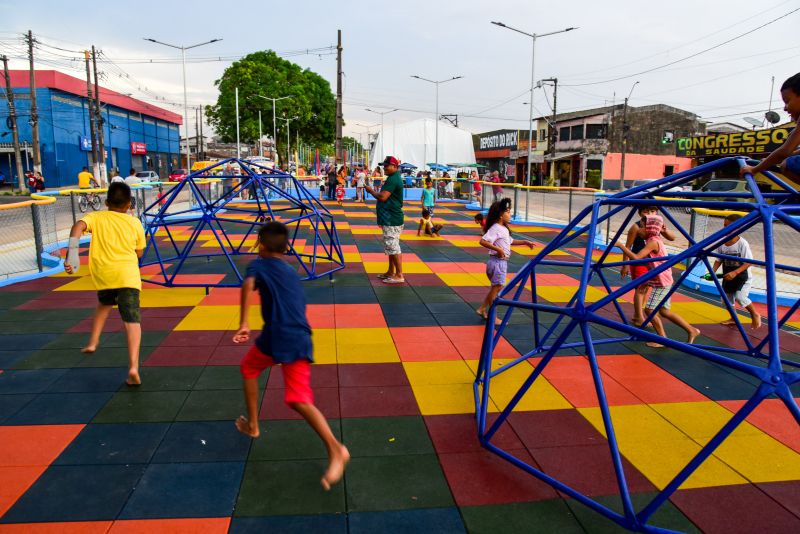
(264, 73)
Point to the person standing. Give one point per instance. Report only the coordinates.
(389, 209)
(361, 183)
(39, 182)
(332, 182)
(497, 190)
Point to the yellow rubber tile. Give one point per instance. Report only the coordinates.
(366, 352)
(352, 257)
(215, 318)
(702, 312)
(658, 449)
(463, 279)
(760, 458)
(324, 340)
(563, 294)
(502, 388)
(440, 399)
(701, 420)
(81, 283)
(356, 230)
(363, 336)
(439, 373)
(465, 242)
(171, 297)
(409, 267)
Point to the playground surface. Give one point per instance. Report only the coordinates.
(80, 452)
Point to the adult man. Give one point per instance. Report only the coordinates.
(85, 179)
(389, 209)
(132, 179)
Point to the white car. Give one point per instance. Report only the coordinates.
(148, 176)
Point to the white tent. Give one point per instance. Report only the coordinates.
(415, 142)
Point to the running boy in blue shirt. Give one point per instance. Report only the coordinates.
(285, 340)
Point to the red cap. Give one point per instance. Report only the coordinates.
(391, 160)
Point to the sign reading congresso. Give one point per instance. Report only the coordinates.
(732, 144)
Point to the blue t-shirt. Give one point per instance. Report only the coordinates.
(427, 197)
(286, 335)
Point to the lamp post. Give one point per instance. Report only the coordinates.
(436, 135)
(274, 129)
(624, 138)
(183, 50)
(533, 37)
(288, 141)
(382, 113)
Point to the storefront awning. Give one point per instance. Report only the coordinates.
(560, 155)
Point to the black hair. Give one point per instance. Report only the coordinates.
(85, 169)
(119, 195)
(274, 236)
(479, 216)
(644, 208)
(428, 181)
(496, 211)
(132, 171)
(425, 213)
(733, 217)
(792, 83)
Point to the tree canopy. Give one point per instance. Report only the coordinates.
(266, 74)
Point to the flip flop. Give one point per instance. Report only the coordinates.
(394, 281)
(383, 276)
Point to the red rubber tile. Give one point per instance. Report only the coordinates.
(469, 339)
(185, 338)
(274, 407)
(321, 315)
(14, 482)
(786, 493)
(114, 324)
(773, 417)
(572, 377)
(359, 316)
(481, 478)
(572, 466)
(228, 355)
(429, 351)
(741, 508)
(227, 296)
(72, 527)
(372, 374)
(647, 381)
(216, 525)
(554, 428)
(50, 440)
(458, 433)
(378, 401)
(416, 334)
(424, 280)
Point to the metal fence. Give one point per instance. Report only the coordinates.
(28, 237)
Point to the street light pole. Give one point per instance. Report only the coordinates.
(533, 37)
(260, 135)
(274, 122)
(183, 50)
(288, 142)
(382, 113)
(624, 139)
(436, 134)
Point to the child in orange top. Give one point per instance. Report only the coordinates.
(660, 285)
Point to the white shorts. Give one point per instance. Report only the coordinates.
(742, 296)
(657, 295)
(391, 239)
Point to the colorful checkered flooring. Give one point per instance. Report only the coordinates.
(80, 452)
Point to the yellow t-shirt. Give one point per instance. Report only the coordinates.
(427, 224)
(85, 180)
(116, 237)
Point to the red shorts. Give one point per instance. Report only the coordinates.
(637, 271)
(296, 375)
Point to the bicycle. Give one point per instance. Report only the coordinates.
(85, 200)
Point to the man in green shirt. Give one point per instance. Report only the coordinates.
(389, 209)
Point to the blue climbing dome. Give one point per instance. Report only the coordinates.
(594, 318)
(204, 230)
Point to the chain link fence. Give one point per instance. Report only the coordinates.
(29, 237)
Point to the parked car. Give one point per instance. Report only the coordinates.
(148, 176)
(177, 175)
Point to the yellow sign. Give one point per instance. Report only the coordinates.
(732, 144)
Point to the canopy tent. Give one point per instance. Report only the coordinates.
(415, 142)
(440, 167)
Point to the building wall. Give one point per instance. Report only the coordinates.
(64, 119)
(641, 166)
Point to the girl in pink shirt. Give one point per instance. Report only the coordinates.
(661, 284)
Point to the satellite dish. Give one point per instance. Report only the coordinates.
(752, 122)
(772, 117)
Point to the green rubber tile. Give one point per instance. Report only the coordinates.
(522, 517)
(112, 357)
(51, 359)
(287, 488)
(142, 407)
(667, 516)
(169, 378)
(441, 297)
(225, 377)
(12, 300)
(212, 405)
(77, 340)
(41, 327)
(385, 436)
(28, 316)
(396, 483)
(291, 440)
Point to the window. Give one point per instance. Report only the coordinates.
(577, 132)
(543, 134)
(669, 170)
(563, 134)
(595, 131)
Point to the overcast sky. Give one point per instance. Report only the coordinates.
(386, 43)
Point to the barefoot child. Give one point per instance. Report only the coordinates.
(428, 201)
(498, 240)
(285, 340)
(786, 155)
(736, 275)
(660, 285)
(426, 225)
(636, 243)
(117, 244)
(339, 193)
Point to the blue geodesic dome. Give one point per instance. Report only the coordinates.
(594, 315)
(206, 226)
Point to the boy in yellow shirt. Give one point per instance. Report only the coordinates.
(117, 244)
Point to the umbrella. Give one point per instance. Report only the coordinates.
(439, 167)
(406, 166)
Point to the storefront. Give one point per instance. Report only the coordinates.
(498, 151)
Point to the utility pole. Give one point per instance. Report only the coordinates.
(12, 117)
(238, 146)
(554, 130)
(339, 119)
(260, 142)
(624, 139)
(101, 149)
(37, 154)
(196, 136)
(95, 161)
(202, 139)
